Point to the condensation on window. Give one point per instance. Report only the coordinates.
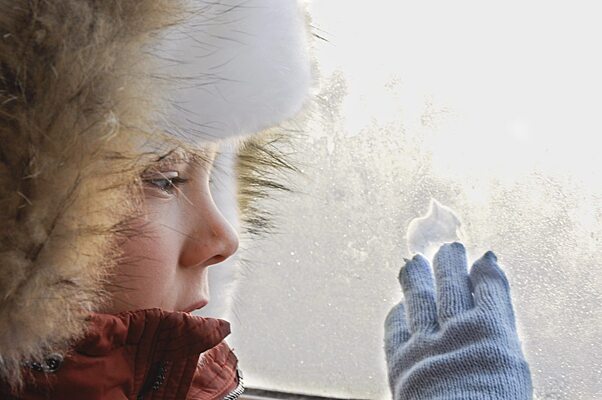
(490, 111)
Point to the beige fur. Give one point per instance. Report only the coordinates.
(74, 97)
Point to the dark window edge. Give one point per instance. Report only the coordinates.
(262, 394)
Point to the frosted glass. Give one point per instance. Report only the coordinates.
(491, 110)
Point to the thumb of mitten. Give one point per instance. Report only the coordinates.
(396, 335)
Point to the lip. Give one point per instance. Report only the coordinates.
(196, 306)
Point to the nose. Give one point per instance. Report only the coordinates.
(212, 238)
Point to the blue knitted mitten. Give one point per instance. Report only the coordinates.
(460, 341)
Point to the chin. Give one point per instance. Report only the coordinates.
(196, 306)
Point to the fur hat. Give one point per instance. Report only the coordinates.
(93, 91)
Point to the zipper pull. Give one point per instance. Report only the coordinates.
(155, 379)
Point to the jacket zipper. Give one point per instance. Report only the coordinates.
(159, 372)
(238, 390)
(162, 367)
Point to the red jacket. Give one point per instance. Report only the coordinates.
(144, 354)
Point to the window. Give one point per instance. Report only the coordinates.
(492, 109)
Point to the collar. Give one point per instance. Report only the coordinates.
(170, 334)
(173, 355)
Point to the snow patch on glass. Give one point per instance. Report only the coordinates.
(439, 225)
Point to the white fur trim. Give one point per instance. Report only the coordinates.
(244, 67)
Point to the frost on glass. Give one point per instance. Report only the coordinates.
(312, 298)
(508, 145)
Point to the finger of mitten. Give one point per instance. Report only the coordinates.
(454, 294)
(490, 285)
(396, 330)
(396, 336)
(419, 292)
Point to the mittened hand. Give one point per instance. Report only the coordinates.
(455, 338)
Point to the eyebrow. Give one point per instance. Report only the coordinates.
(175, 155)
(179, 155)
(163, 157)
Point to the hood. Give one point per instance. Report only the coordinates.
(93, 91)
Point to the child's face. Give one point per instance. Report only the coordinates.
(165, 265)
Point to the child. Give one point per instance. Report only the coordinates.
(114, 115)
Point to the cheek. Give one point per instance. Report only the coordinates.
(149, 263)
(152, 241)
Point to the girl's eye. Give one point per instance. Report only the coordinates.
(165, 182)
